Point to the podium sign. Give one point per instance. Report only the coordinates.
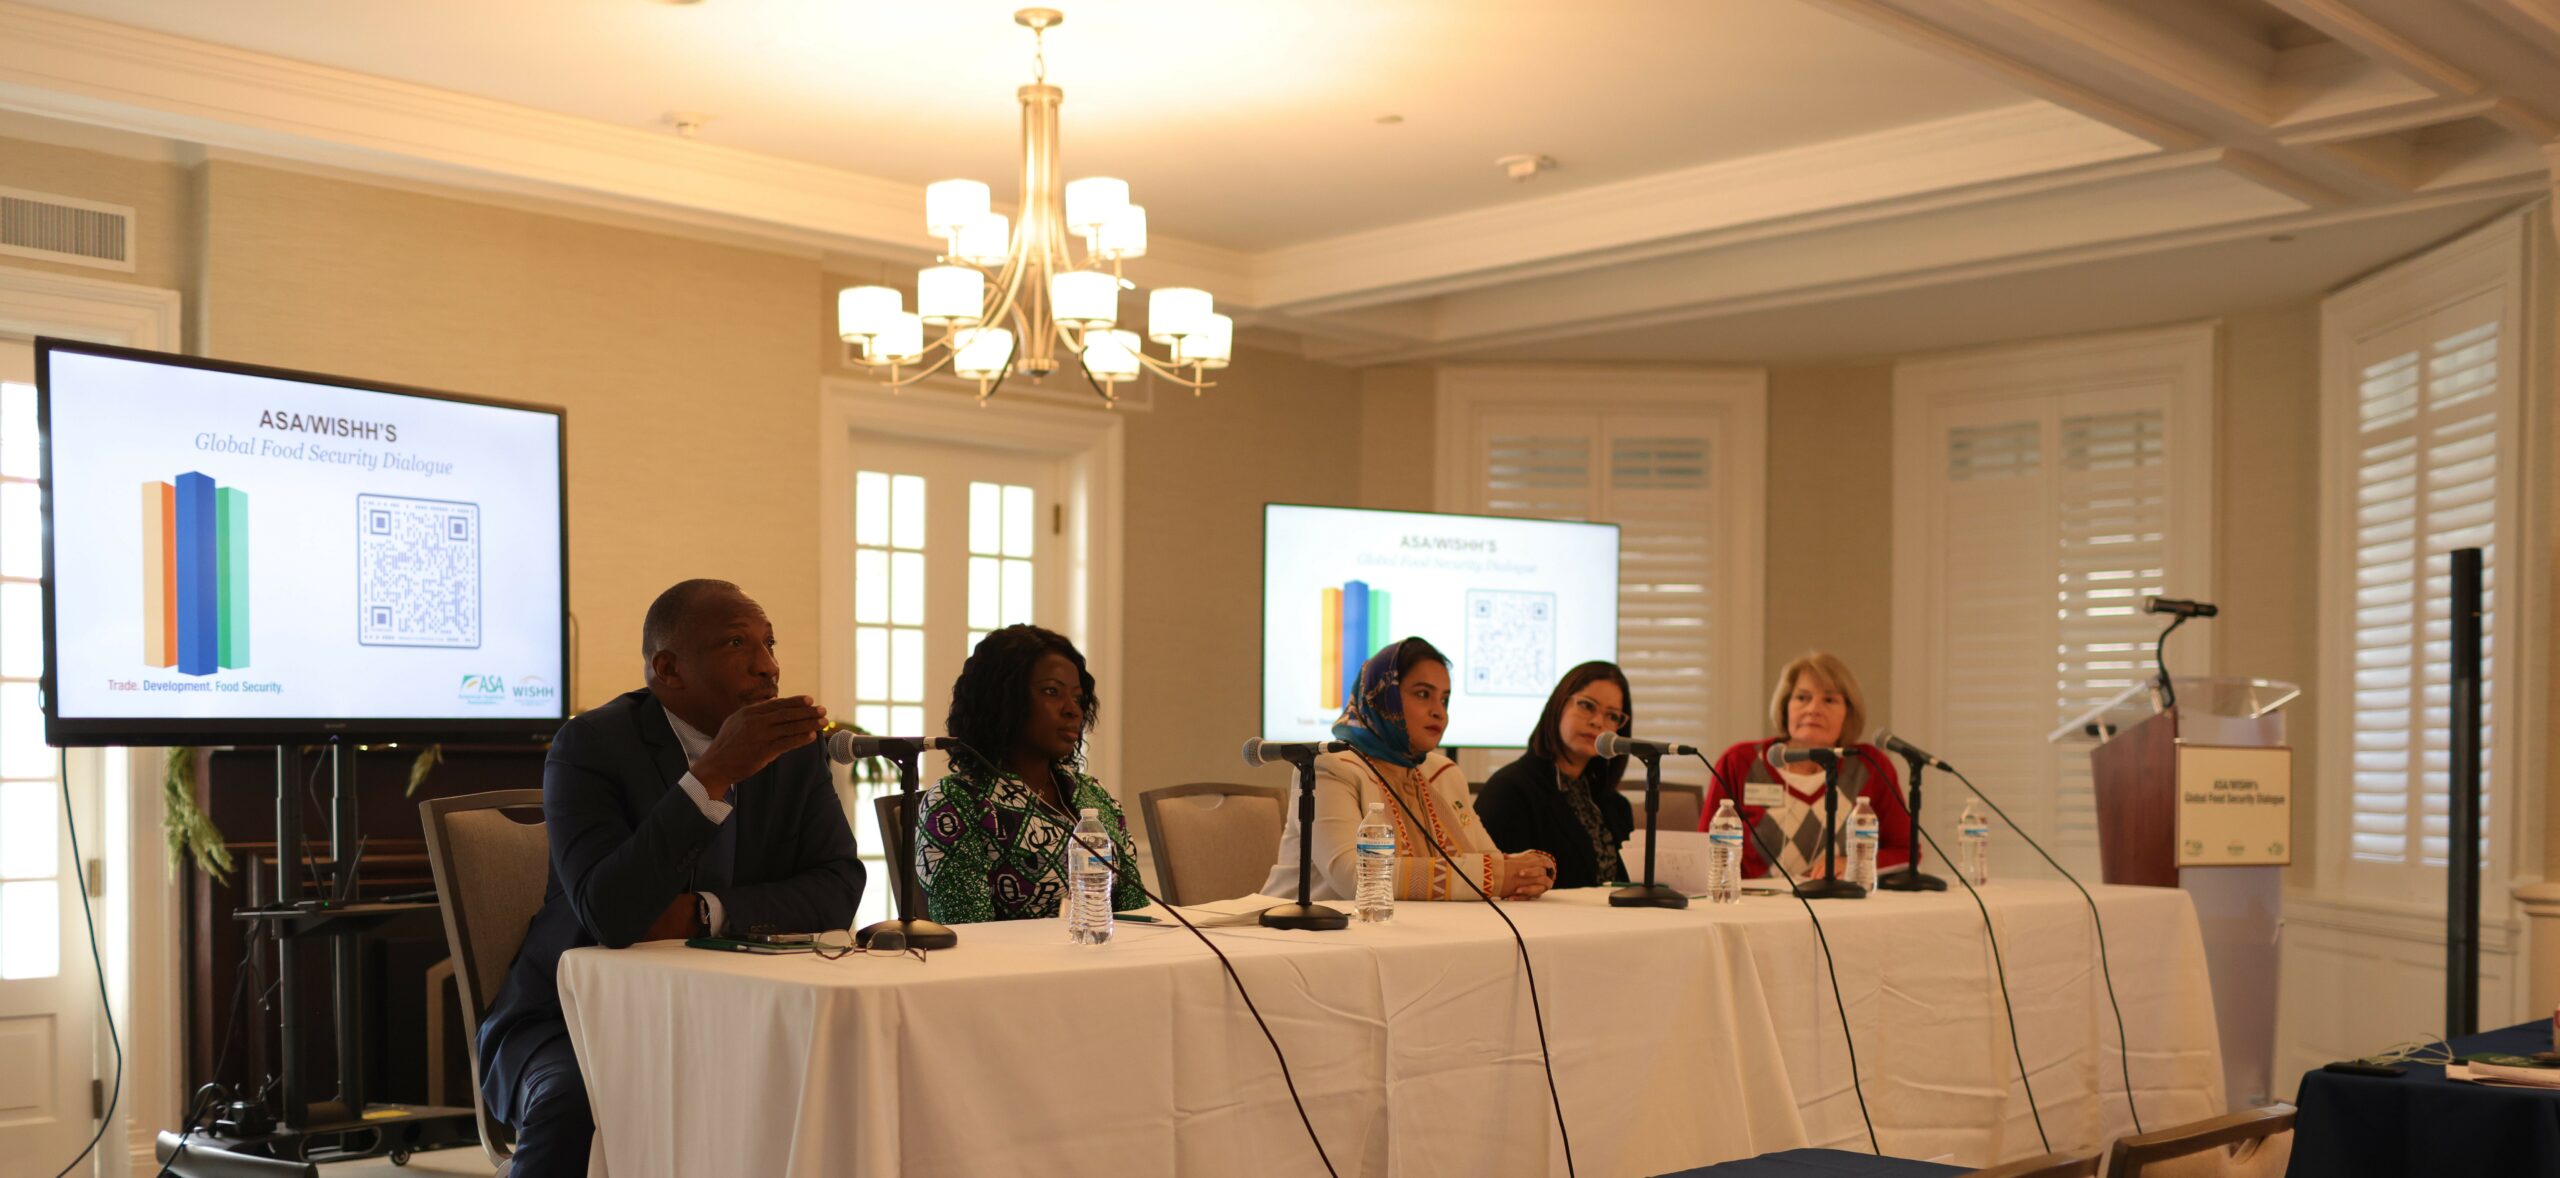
(2235, 806)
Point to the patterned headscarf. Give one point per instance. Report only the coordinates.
(1373, 720)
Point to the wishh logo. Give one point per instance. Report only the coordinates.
(1355, 625)
(195, 575)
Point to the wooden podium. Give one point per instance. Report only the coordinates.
(2197, 795)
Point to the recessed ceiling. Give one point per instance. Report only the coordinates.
(1245, 124)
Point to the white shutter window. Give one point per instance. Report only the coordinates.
(2040, 494)
(1675, 458)
(2111, 541)
(1659, 491)
(2425, 481)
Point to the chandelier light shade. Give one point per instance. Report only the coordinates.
(1175, 311)
(981, 353)
(1111, 355)
(951, 205)
(1084, 298)
(1208, 346)
(950, 296)
(1010, 294)
(1124, 235)
(865, 311)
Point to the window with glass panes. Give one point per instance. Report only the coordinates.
(30, 818)
(1000, 568)
(888, 602)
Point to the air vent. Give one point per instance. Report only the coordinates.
(53, 228)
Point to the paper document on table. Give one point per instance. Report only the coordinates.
(2490, 1073)
(1214, 914)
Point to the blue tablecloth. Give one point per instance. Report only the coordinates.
(2423, 1124)
(1822, 1163)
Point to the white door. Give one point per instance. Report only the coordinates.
(949, 543)
(48, 993)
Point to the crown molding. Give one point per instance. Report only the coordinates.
(1400, 261)
(92, 71)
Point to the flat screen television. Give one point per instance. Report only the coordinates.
(239, 555)
(1514, 603)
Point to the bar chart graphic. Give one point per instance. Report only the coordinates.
(1356, 622)
(195, 575)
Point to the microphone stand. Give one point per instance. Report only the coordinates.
(1649, 894)
(1830, 886)
(1912, 880)
(908, 931)
(1305, 914)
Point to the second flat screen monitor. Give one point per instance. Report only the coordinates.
(1514, 603)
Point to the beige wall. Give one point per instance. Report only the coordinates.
(2266, 533)
(160, 193)
(1276, 429)
(1397, 454)
(1830, 520)
(684, 368)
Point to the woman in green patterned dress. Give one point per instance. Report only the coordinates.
(992, 840)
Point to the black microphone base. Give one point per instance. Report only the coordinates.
(1910, 881)
(1830, 889)
(1305, 916)
(906, 934)
(1647, 896)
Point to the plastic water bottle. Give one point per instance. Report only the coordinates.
(1866, 837)
(1376, 841)
(1089, 882)
(1973, 846)
(1724, 855)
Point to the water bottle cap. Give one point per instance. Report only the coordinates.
(1374, 807)
(1093, 812)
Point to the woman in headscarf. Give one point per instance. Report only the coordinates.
(1393, 723)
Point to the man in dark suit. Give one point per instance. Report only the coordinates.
(697, 805)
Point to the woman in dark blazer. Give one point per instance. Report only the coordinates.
(1561, 797)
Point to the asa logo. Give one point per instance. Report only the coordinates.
(482, 689)
(531, 689)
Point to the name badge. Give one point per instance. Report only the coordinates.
(1763, 794)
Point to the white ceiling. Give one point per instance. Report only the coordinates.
(1245, 123)
(1740, 179)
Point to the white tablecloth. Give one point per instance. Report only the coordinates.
(1679, 1038)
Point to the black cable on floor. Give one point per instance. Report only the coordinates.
(1535, 1011)
(80, 872)
(1770, 853)
(2002, 971)
(2124, 1049)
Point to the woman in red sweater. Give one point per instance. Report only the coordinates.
(1817, 705)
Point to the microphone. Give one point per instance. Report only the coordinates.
(1259, 752)
(1819, 756)
(2180, 607)
(1908, 751)
(845, 746)
(1611, 744)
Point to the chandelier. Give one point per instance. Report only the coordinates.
(1008, 295)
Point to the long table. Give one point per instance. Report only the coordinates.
(1678, 1039)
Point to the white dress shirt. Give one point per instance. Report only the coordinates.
(693, 742)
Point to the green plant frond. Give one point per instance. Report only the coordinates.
(190, 833)
(428, 759)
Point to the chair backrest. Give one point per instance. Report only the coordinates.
(897, 843)
(1681, 805)
(490, 873)
(2052, 1165)
(1212, 840)
(2252, 1143)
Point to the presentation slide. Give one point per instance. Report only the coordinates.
(1514, 603)
(234, 547)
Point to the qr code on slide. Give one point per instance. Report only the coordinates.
(1511, 642)
(417, 572)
